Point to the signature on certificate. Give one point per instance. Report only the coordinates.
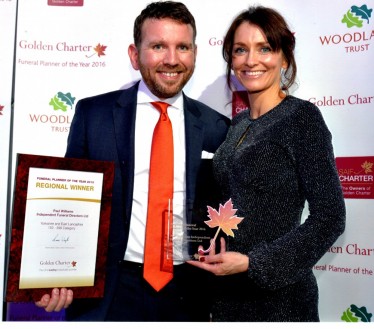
(62, 238)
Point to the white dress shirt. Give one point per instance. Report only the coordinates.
(146, 119)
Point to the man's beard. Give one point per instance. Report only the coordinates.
(165, 90)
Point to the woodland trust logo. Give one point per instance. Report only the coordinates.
(60, 122)
(356, 314)
(355, 16)
(354, 40)
(62, 101)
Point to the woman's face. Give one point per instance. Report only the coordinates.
(255, 64)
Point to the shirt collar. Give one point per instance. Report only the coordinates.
(145, 96)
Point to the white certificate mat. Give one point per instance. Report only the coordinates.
(61, 228)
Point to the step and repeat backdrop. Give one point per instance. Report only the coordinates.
(55, 52)
(7, 39)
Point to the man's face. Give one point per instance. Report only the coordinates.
(166, 56)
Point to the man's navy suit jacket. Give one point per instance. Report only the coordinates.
(103, 128)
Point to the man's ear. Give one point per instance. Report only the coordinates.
(134, 56)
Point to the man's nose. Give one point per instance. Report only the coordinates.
(171, 57)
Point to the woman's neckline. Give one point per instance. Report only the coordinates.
(267, 113)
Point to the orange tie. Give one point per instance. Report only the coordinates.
(158, 249)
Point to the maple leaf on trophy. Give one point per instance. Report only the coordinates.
(224, 219)
(99, 50)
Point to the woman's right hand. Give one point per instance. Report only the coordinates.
(224, 263)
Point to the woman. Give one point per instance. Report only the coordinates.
(276, 156)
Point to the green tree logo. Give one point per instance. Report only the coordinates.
(356, 314)
(355, 16)
(61, 101)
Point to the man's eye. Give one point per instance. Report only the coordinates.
(158, 47)
(184, 48)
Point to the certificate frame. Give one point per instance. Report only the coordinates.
(17, 225)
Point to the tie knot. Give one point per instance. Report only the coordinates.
(161, 106)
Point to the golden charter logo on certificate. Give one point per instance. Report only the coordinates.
(60, 226)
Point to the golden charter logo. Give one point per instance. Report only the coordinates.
(66, 3)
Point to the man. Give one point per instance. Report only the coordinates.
(118, 126)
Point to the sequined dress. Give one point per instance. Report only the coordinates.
(270, 167)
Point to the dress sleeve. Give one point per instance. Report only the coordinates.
(287, 259)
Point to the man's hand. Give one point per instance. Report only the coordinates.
(59, 299)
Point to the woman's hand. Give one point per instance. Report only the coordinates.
(224, 263)
(58, 300)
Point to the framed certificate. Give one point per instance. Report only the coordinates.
(60, 226)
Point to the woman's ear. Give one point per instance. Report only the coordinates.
(284, 64)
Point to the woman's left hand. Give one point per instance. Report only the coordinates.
(224, 263)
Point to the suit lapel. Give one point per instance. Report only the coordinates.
(194, 145)
(124, 115)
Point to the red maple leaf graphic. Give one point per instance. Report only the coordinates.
(99, 50)
(1, 109)
(73, 263)
(225, 219)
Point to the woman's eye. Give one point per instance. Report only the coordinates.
(265, 50)
(239, 50)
